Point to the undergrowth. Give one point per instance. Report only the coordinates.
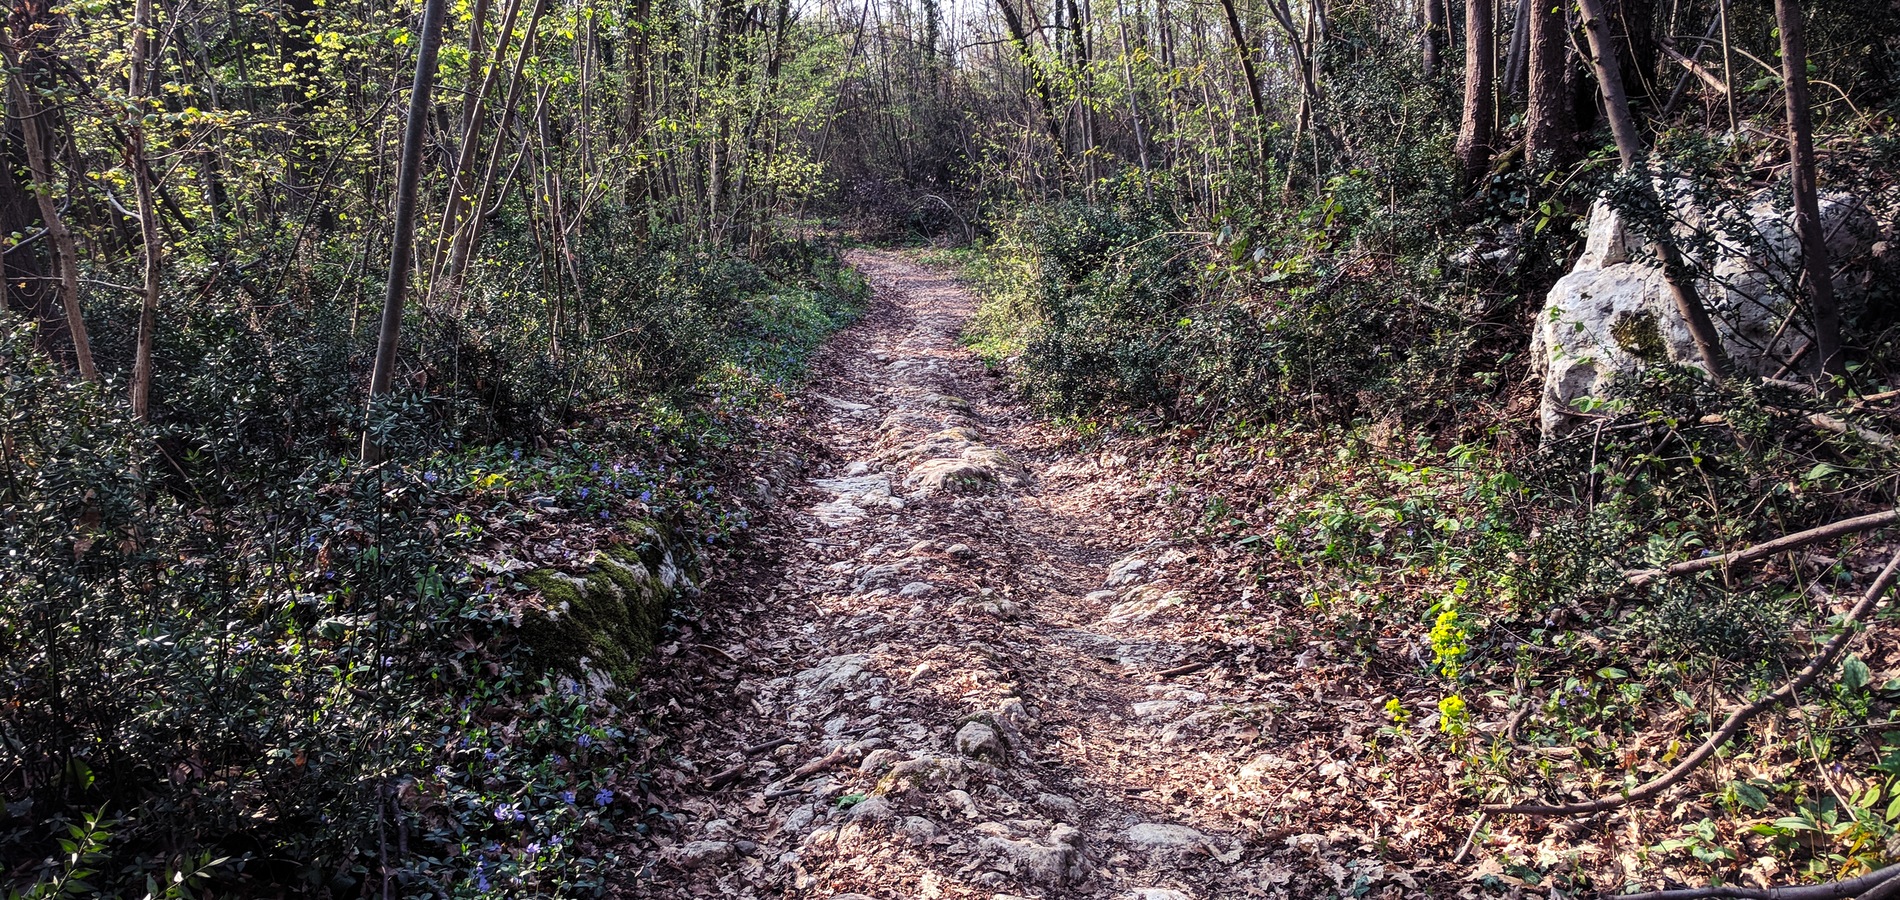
(237, 661)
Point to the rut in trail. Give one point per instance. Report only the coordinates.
(970, 676)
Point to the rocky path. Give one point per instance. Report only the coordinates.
(966, 675)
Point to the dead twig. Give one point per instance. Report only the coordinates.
(768, 746)
(1880, 883)
(1187, 669)
(1822, 662)
(1470, 837)
(1769, 548)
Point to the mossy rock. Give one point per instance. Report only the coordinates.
(598, 624)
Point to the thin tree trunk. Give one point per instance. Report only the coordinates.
(1045, 94)
(468, 237)
(1629, 149)
(147, 209)
(1476, 130)
(65, 253)
(1244, 52)
(1815, 265)
(474, 117)
(402, 243)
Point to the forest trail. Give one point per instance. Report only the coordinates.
(969, 674)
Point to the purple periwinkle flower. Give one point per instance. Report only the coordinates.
(584, 740)
(490, 755)
(429, 477)
(567, 797)
(603, 797)
(506, 812)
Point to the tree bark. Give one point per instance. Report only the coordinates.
(1816, 269)
(1045, 94)
(1517, 61)
(1629, 149)
(1477, 128)
(1434, 37)
(152, 249)
(1548, 141)
(65, 252)
(402, 243)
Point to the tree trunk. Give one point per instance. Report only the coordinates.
(1517, 61)
(1244, 53)
(1477, 129)
(148, 210)
(402, 243)
(1434, 37)
(1548, 140)
(1629, 149)
(462, 186)
(65, 252)
(1045, 94)
(1816, 269)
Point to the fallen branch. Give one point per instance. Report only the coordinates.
(1732, 726)
(773, 744)
(725, 776)
(1187, 669)
(1866, 887)
(1769, 548)
(1829, 423)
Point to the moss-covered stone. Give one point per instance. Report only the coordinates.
(599, 623)
(1639, 335)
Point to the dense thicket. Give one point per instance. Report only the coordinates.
(231, 653)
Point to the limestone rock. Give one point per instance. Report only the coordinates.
(1054, 862)
(979, 740)
(700, 854)
(872, 809)
(1126, 571)
(1162, 836)
(1613, 314)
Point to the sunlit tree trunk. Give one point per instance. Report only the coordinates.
(1629, 149)
(403, 241)
(152, 251)
(1816, 269)
(40, 168)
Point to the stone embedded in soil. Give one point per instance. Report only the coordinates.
(915, 589)
(1057, 861)
(1163, 836)
(873, 809)
(1126, 571)
(1155, 709)
(1155, 893)
(978, 740)
(950, 476)
(918, 830)
(699, 854)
